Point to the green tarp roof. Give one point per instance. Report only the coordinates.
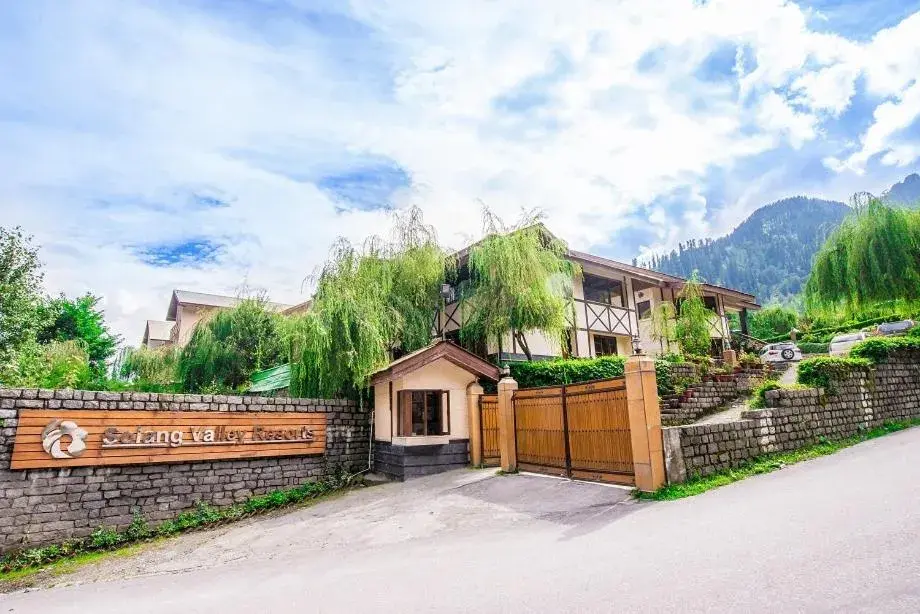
(275, 378)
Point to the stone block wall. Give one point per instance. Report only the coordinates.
(41, 506)
(703, 397)
(797, 418)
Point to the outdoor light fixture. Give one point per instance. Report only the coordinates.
(636, 345)
(446, 291)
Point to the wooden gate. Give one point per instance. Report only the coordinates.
(578, 431)
(488, 421)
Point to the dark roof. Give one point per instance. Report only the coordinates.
(439, 349)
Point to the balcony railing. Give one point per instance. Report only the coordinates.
(603, 318)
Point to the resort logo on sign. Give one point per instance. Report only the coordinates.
(53, 436)
(142, 437)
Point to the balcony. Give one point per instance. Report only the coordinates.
(604, 318)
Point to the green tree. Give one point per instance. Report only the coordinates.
(150, 367)
(772, 322)
(227, 347)
(20, 291)
(80, 320)
(873, 257)
(664, 324)
(369, 303)
(520, 281)
(692, 328)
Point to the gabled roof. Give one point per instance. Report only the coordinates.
(636, 271)
(440, 349)
(187, 297)
(157, 330)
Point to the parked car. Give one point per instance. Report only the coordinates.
(894, 328)
(781, 352)
(842, 344)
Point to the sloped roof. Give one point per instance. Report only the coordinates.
(268, 380)
(439, 349)
(157, 330)
(187, 297)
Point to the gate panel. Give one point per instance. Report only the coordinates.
(488, 421)
(598, 428)
(540, 430)
(578, 430)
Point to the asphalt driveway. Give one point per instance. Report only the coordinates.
(836, 534)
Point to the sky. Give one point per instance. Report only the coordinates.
(214, 145)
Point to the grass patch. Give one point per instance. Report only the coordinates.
(770, 462)
(15, 566)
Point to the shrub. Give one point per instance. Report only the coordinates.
(663, 376)
(559, 372)
(822, 371)
(814, 348)
(759, 399)
(876, 349)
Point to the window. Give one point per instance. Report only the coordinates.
(644, 308)
(423, 412)
(605, 346)
(602, 290)
(710, 302)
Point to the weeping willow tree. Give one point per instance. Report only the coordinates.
(227, 347)
(872, 257)
(692, 327)
(519, 282)
(156, 366)
(664, 325)
(369, 302)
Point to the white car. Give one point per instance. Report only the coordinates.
(842, 344)
(781, 352)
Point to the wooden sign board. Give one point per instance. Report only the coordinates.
(52, 438)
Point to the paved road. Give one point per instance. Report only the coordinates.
(841, 533)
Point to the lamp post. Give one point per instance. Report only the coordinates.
(446, 293)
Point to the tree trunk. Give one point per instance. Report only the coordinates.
(523, 342)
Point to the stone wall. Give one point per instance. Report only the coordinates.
(706, 395)
(404, 462)
(41, 506)
(797, 418)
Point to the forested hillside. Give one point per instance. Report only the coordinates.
(906, 192)
(768, 255)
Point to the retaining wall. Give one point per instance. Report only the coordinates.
(41, 506)
(797, 418)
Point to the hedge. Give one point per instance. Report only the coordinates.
(558, 372)
(572, 371)
(820, 371)
(876, 349)
(824, 335)
(814, 348)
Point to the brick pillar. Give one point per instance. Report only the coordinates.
(506, 440)
(730, 358)
(645, 423)
(473, 394)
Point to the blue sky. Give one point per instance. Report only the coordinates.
(213, 144)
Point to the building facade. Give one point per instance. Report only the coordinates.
(613, 303)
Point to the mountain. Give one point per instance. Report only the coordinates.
(768, 255)
(906, 192)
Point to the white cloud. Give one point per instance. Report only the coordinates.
(133, 104)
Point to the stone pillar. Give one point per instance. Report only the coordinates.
(473, 395)
(506, 439)
(645, 423)
(730, 358)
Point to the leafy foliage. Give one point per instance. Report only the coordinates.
(368, 303)
(877, 349)
(813, 348)
(758, 397)
(228, 346)
(873, 256)
(520, 281)
(150, 367)
(823, 371)
(772, 321)
(692, 328)
(558, 372)
(58, 364)
(20, 291)
(664, 324)
(80, 320)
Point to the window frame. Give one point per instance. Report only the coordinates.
(606, 338)
(401, 406)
